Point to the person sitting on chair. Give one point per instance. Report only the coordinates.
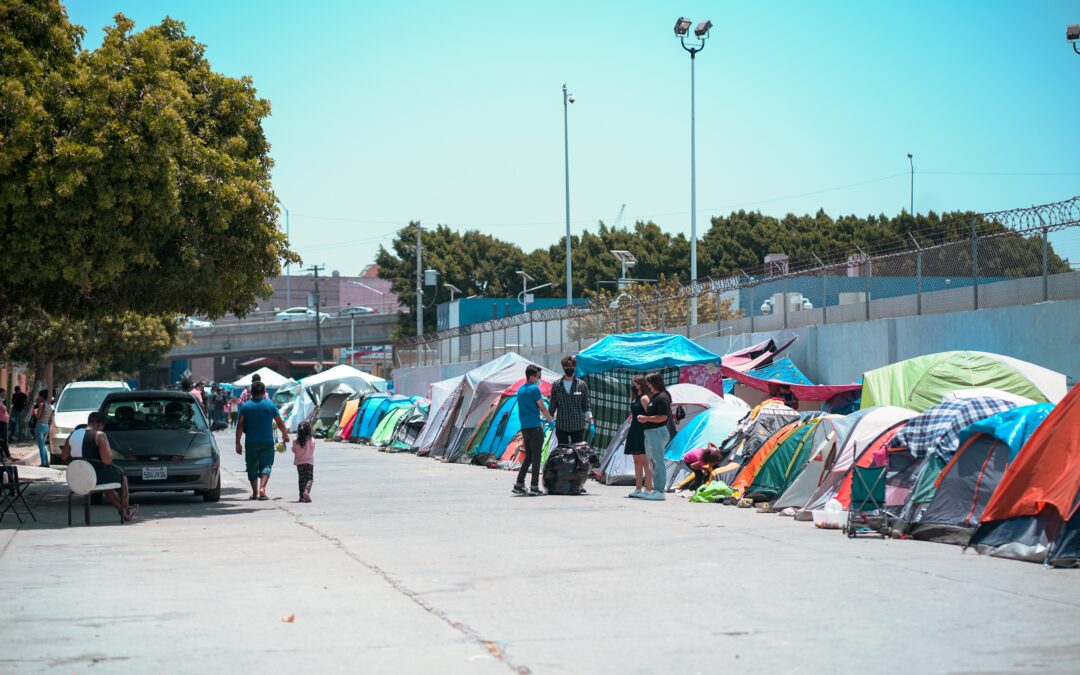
(90, 443)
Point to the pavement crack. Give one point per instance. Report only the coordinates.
(492, 647)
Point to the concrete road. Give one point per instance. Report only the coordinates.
(404, 564)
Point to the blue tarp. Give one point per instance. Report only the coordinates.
(713, 425)
(783, 370)
(1012, 427)
(641, 351)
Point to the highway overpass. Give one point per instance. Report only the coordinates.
(267, 337)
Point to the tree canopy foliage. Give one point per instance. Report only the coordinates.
(484, 265)
(128, 173)
(128, 170)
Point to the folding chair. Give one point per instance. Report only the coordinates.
(867, 514)
(13, 493)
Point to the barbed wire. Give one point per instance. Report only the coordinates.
(1039, 219)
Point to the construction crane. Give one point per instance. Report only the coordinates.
(618, 219)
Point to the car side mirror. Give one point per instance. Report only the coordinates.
(219, 426)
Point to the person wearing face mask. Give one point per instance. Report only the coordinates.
(570, 405)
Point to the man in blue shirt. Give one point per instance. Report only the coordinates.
(257, 419)
(530, 408)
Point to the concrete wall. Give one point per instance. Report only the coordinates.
(1045, 334)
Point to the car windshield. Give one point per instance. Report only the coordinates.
(83, 398)
(154, 414)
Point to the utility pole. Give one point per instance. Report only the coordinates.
(419, 282)
(315, 269)
(567, 98)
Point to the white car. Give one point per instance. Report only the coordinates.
(299, 314)
(192, 322)
(76, 402)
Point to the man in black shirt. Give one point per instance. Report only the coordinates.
(18, 407)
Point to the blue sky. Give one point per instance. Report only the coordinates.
(452, 112)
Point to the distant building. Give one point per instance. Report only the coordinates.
(336, 292)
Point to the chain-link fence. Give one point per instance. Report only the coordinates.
(1015, 257)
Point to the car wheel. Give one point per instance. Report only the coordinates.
(213, 495)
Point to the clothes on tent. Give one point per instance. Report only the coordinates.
(919, 452)
(967, 482)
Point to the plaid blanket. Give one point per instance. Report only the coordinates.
(938, 429)
(609, 396)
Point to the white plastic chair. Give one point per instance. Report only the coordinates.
(82, 481)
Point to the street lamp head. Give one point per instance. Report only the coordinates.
(702, 30)
(682, 26)
(570, 98)
(909, 155)
(1072, 32)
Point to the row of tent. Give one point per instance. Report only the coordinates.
(948, 427)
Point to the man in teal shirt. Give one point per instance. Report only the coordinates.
(257, 419)
(530, 407)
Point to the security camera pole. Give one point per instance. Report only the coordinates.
(701, 32)
(567, 99)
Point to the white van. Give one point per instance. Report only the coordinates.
(77, 400)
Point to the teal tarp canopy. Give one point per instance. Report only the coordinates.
(641, 351)
(1012, 427)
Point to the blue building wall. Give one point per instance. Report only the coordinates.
(477, 310)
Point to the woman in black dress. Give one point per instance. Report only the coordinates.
(635, 437)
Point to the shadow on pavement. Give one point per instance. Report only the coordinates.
(49, 503)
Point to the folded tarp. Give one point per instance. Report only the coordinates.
(755, 356)
(803, 392)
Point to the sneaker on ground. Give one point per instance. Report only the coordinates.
(654, 496)
(519, 490)
(636, 493)
(535, 491)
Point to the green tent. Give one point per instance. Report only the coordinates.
(784, 464)
(384, 433)
(923, 382)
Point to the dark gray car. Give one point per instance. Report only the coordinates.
(163, 442)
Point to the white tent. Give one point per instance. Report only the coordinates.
(340, 380)
(860, 430)
(270, 377)
(806, 481)
(474, 394)
(439, 394)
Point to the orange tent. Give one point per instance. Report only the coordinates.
(749, 472)
(1045, 478)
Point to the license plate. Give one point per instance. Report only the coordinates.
(155, 473)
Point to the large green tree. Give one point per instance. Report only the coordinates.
(129, 172)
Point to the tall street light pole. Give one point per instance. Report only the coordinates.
(911, 206)
(419, 282)
(701, 32)
(288, 268)
(567, 99)
(315, 269)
